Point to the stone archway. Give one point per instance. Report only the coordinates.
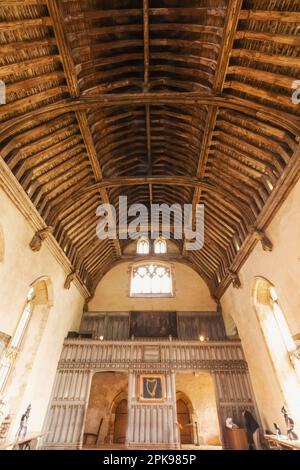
(117, 418)
(108, 389)
(121, 422)
(185, 418)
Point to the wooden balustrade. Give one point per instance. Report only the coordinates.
(96, 354)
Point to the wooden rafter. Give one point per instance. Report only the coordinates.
(146, 88)
(287, 119)
(232, 18)
(71, 135)
(69, 68)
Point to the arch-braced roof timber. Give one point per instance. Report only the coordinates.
(165, 101)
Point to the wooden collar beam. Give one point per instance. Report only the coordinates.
(287, 120)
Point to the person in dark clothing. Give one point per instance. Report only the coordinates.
(252, 428)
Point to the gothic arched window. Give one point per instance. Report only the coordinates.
(143, 246)
(150, 280)
(160, 246)
(15, 342)
(274, 325)
(28, 333)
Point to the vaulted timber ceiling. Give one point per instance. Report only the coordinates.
(174, 101)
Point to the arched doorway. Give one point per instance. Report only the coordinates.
(108, 390)
(121, 419)
(185, 423)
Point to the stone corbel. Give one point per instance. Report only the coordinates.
(260, 235)
(39, 237)
(234, 279)
(70, 278)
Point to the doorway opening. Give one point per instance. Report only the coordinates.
(185, 423)
(107, 415)
(121, 420)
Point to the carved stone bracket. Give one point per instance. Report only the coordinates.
(260, 235)
(234, 279)
(39, 237)
(70, 278)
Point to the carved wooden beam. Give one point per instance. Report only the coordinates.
(288, 179)
(157, 180)
(234, 278)
(70, 278)
(232, 18)
(56, 14)
(146, 89)
(39, 237)
(251, 108)
(260, 235)
(17, 195)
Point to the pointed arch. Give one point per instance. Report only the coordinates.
(185, 418)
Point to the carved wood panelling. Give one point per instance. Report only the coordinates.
(66, 413)
(88, 354)
(81, 358)
(115, 326)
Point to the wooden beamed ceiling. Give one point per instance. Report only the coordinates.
(165, 101)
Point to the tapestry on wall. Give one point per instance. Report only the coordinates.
(153, 324)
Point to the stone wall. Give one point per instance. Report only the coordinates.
(190, 292)
(282, 268)
(19, 269)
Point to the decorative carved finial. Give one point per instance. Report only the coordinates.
(70, 278)
(260, 235)
(39, 237)
(235, 279)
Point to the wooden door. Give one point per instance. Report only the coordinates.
(121, 423)
(185, 425)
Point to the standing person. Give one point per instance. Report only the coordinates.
(252, 428)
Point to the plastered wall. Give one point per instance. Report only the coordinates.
(19, 269)
(105, 389)
(190, 292)
(282, 268)
(199, 389)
